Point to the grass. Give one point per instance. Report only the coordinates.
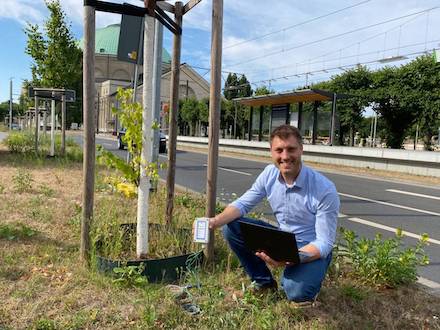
(44, 286)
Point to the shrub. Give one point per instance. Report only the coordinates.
(22, 181)
(20, 142)
(130, 275)
(380, 262)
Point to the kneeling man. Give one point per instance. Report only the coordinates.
(304, 202)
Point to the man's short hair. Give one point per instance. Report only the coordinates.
(285, 131)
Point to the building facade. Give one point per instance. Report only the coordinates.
(111, 74)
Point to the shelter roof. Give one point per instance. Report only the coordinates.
(301, 95)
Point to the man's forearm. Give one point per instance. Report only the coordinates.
(229, 214)
(311, 253)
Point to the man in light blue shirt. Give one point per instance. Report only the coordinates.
(304, 202)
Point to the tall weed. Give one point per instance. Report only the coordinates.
(384, 262)
(22, 181)
(20, 142)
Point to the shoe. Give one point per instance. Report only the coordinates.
(257, 288)
(305, 304)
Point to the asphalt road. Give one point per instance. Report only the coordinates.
(368, 205)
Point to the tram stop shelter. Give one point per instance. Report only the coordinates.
(52, 94)
(272, 110)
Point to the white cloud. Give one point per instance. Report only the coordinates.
(247, 19)
(22, 11)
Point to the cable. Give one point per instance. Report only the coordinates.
(295, 25)
(342, 58)
(332, 37)
(325, 70)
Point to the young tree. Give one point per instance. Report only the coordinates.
(57, 61)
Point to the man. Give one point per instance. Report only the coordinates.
(304, 202)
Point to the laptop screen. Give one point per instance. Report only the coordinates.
(277, 244)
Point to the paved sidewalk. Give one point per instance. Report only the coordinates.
(3, 135)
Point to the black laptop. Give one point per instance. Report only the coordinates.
(277, 244)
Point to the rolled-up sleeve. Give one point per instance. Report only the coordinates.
(326, 222)
(253, 196)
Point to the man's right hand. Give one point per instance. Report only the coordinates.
(213, 223)
(229, 213)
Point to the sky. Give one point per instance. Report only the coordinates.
(282, 44)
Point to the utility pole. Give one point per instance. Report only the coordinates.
(147, 138)
(52, 127)
(214, 116)
(438, 137)
(89, 132)
(157, 74)
(46, 109)
(36, 123)
(10, 104)
(374, 130)
(63, 124)
(174, 108)
(416, 141)
(333, 121)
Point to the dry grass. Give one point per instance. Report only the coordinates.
(44, 286)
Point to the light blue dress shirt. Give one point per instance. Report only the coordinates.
(309, 208)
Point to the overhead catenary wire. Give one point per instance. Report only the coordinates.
(399, 47)
(284, 50)
(326, 70)
(295, 25)
(315, 61)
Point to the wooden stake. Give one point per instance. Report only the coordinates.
(89, 132)
(174, 108)
(214, 116)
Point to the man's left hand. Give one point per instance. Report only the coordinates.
(273, 263)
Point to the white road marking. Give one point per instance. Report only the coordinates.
(412, 194)
(228, 169)
(391, 204)
(428, 283)
(391, 229)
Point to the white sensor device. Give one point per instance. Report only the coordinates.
(201, 230)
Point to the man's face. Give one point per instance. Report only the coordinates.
(286, 154)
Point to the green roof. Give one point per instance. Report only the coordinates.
(107, 39)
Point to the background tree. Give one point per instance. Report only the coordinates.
(190, 113)
(422, 94)
(230, 90)
(4, 109)
(57, 61)
(356, 84)
(389, 84)
(263, 90)
(244, 85)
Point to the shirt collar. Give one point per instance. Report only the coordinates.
(300, 179)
